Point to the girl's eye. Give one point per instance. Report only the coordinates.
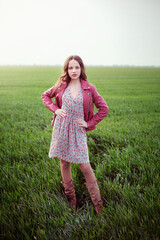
(77, 67)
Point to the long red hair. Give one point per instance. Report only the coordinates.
(65, 76)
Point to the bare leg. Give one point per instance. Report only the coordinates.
(65, 171)
(87, 172)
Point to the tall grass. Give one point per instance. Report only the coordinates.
(124, 153)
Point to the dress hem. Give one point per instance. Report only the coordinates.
(68, 161)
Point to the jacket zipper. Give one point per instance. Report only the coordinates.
(88, 107)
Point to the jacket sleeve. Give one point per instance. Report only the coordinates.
(46, 98)
(101, 105)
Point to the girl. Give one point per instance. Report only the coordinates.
(73, 115)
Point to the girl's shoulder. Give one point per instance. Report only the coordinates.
(88, 85)
(60, 86)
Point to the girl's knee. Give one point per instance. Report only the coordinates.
(65, 164)
(85, 167)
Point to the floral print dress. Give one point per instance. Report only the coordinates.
(69, 141)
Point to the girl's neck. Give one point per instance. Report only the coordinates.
(75, 82)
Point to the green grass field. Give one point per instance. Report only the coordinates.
(124, 153)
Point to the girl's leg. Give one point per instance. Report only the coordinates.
(87, 171)
(65, 171)
(92, 186)
(67, 183)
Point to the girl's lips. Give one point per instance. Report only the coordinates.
(74, 75)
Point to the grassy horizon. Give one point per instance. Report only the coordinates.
(123, 150)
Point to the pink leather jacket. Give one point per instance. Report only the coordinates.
(90, 97)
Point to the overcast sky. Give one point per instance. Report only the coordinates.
(101, 32)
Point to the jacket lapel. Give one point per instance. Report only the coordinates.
(59, 92)
(86, 97)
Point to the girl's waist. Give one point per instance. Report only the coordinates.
(74, 117)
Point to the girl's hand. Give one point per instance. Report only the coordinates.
(81, 123)
(60, 113)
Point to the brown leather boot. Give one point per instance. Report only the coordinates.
(93, 189)
(69, 191)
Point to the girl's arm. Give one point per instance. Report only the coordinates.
(101, 105)
(46, 98)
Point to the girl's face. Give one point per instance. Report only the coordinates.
(74, 69)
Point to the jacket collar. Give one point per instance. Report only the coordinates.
(63, 85)
(84, 84)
